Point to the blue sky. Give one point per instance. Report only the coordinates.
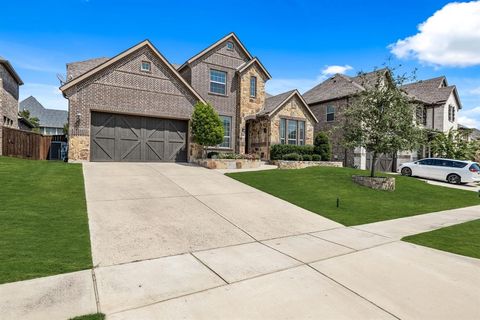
(300, 42)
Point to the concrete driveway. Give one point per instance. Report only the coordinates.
(146, 211)
(181, 242)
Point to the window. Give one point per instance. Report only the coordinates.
(458, 164)
(227, 125)
(282, 130)
(218, 82)
(424, 116)
(230, 45)
(292, 132)
(451, 113)
(442, 163)
(146, 66)
(253, 86)
(330, 113)
(426, 162)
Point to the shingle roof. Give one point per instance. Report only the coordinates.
(475, 134)
(333, 88)
(247, 64)
(272, 103)
(10, 69)
(75, 69)
(48, 117)
(431, 91)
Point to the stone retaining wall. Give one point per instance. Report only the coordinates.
(228, 163)
(378, 183)
(286, 164)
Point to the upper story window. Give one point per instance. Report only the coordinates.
(218, 82)
(230, 45)
(146, 66)
(253, 86)
(451, 113)
(330, 113)
(227, 132)
(424, 116)
(292, 132)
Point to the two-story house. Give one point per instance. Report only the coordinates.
(440, 104)
(9, 91)
(137, 106)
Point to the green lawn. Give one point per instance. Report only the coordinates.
(44, 227)
(461, 239)
(96, 316)
(317, 188)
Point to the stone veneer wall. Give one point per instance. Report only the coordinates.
(258, 137)
(9, 90)
(292, 110)
(286, 164)
(378, 183)
(249, 106)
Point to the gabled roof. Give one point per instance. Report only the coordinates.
(11, 70)
(336, 87)
(109, 62)
(75, 69)
(47, 117)
(432, 91)
(256, 61)
(231, 35)
(274, 103)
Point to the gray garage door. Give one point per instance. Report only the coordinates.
(116, 137)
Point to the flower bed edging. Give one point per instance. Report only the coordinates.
(378, 183)
(228, 163)
(288, 164)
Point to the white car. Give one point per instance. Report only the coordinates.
(452, 171)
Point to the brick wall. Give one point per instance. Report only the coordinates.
(9, 90)
(123, 88)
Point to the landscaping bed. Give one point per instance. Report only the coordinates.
(228, 163)
(289, 164)
(461, 239)
(43, 214)
(317, 189)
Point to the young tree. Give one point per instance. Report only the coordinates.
(207, 128)
(322, 146)
(382, 119)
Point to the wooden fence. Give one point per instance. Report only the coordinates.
(27, 144)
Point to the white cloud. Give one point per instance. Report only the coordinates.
(450, 37)
(48, 95)
(329, 70)
(470, 117)
(276, 86)
(475, 91)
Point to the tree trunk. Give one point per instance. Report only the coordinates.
(374, 163)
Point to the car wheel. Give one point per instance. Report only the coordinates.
(406, 172)
(454, 179)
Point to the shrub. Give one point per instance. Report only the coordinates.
(227, 155)
(207, 128)
(307, 157)
(316, 157)
(322, 146)
(277, 151)
(292, 156)
(212, 155)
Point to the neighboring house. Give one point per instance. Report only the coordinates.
(440, 104)
(9, 90)
(137, 106)
(471, 134)
(51, 120)
(24, 124)
(329, 99)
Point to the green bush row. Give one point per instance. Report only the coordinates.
(277, 151)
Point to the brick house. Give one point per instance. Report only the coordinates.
(9, 91)
(137, 106)
(439, 102)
